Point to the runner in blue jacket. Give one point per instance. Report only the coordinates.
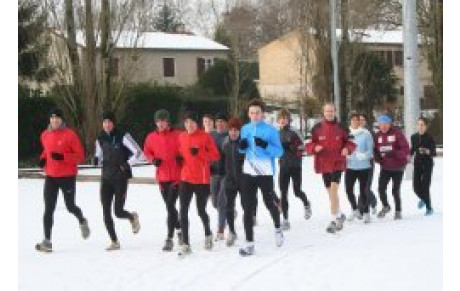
(260, 142)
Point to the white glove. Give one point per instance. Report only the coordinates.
(361, 156)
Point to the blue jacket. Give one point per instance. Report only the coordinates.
(269, 134)
(361, 157)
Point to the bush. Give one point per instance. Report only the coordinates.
(32, 120)
(142, 102)
(144, 99)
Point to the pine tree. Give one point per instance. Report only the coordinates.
(33, 44)
(166, 20)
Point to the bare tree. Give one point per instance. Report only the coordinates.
(92, 30)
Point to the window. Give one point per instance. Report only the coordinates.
(389, 56)
(399, 58)
(203, 64)
(114, 66)
(401, 90)
(168, 67)
(200, 66)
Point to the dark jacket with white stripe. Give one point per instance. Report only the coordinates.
(292, 145)
(116, 151)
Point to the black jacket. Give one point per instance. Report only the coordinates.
(418, 141)
(292, 144)
(233, 161)
(218, 168)
(113, 150)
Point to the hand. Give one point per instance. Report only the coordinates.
(42, 163)
(424, 151)
(260, 142)
(95, 161)
(243, 144)
(57, 156)
(179, 159)
(157, 162)
(194, 151)
(318, 148)
(345, 152)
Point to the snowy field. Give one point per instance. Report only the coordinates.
(384, 255)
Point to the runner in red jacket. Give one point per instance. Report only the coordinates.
(330, 146)
(392, 153)
(197, 149)
(161, 148)
(62, 151)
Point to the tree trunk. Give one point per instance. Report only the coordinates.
(91, 98)
(105, 64)
(76, 93)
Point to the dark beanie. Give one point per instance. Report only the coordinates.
(56, 112)
(108, 115)
(162, 114)
(190, 114)
(221, 115)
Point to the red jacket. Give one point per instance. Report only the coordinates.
(196, 169)
(64, 141)
(164, 145)
(333, 138)
(391, 149)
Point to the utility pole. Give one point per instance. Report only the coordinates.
(335, 67)
(411, 78)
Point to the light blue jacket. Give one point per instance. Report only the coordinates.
(269, 134)
(361, 157)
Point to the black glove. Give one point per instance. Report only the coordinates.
(243, 144)
(157, 162)
(194, 151)
(287, 146)
(42, 163)
(57, 156)
(260, 142)
(179, 160)
(95, 161)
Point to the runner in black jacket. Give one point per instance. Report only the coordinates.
(115, 150)
(424, 149)
(233, 161)
(290, 166)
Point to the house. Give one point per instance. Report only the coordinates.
(282, 80)
(164, 58)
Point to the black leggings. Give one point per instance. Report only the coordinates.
(114, 188)
(202, 192)
(350, 179)
(250, 184)
(384, 179)
(286, 174)
(231, 191)
(422, 181)
(50, 194)
(170, 193)
(372, 200)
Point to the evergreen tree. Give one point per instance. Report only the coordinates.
(33, 43)
(166, 20)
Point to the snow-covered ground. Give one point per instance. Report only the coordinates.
(384, 255)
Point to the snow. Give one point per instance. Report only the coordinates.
(377, 36)
(384, 255)
(160, 40)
